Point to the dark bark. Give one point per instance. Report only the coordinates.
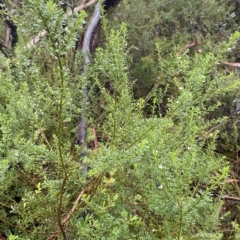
(110, 3)
(13, 32)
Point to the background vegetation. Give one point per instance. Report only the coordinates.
(161, 90)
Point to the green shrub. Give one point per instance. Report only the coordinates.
(150, 178)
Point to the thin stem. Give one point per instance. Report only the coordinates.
(181, 220)
(114, 118)
(91, 192)
(60, 129)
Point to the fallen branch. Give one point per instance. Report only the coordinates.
(188, 45)
(226, 197)
(82, 6)
(232, 64)
(232, 180)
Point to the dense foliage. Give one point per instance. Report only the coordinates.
(157, 106)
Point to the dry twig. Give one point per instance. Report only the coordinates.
(66, 219)
(226, 197)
